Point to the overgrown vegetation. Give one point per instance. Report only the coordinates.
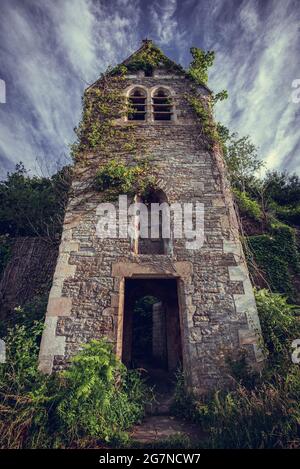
(33, 206)
(203, 107)
(263, 410)
(118, 178)
(148, 58)
(91, 404)
(277, 254)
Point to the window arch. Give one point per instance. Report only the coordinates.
(157, 241)
(137, 103)
(162, 105)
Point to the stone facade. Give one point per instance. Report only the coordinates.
(217, 310)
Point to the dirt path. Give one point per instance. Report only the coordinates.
(157, 428)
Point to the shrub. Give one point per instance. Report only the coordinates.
(265, 417)
(96, 398)
(287, 213)
(247, 206)
(262, 411)
(280, 326)
(99, 400)
(32, 206)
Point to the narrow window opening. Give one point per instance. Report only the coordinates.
(154, 245)
(162, 106)
(137, 104)
(149, 72)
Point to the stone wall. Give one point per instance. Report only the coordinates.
(217, 309)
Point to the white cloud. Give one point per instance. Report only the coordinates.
(51, 50)
(50, 58)
(259, 82)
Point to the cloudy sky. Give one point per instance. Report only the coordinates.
(50, 50)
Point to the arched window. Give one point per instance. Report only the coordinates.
(137, 105)
(162, 105)
(157, 241)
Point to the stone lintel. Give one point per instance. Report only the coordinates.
(149, 270)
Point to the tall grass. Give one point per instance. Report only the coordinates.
(263, 411)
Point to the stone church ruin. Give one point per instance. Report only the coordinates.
(200, 306)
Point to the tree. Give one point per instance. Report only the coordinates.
(33, 206)
(283, 188)
(242, 160)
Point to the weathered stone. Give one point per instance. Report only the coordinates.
(217, 308)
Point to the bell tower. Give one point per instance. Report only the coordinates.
(161, 300)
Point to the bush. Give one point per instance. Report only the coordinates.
(262, 411)
(32, 206)
(99, 398)
(265, 417)
(287, 213)
(280, 326)
(95, 400)
(247, 206)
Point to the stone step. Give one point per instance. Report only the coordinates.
(157, 428)
(161, 405)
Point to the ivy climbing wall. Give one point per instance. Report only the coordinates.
(181, 158)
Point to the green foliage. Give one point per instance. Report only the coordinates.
(198, 71)
(150, 57)
(203, 109)
(31, 206)
(246, 205)
(118, 178)
(278, 257)
(221, 96)
(32, 310)
(200, 64)
(280, 326)
(95, 402)
(283, 188)
(184, 405)
(263, 410)
(102, 104)
(96, 399)
(266, 417)
(286, 213)
(242, 161)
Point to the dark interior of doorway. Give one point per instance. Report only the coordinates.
(151, 330)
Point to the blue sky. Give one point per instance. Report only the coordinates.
(51, 50)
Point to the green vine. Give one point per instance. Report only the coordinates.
(278, 257)
(103, 104)
(118, 178)
(150, 57)
(200, 65)
(198, 72)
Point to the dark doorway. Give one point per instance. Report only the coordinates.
(151, 331)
